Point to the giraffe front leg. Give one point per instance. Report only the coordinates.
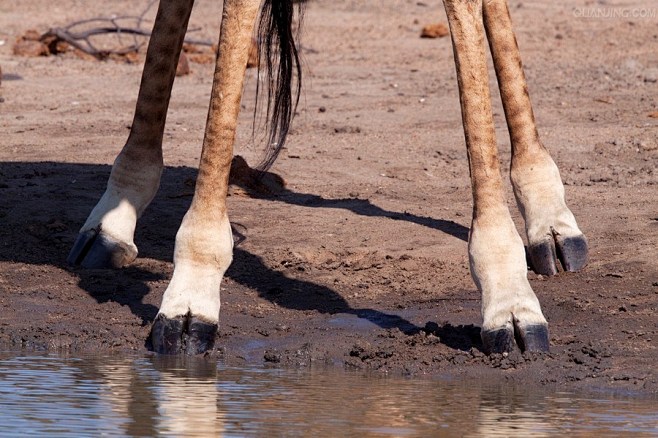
(551, 228)
(106, 238)
(188, 318)
(510, 310)
(189, 314)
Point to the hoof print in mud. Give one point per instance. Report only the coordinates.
(182, 334)
(94, 249)
(533, 338)
(570, 252)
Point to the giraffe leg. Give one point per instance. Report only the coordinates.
(511, 312)
(188, 317)
(550, 226)
(106, 238)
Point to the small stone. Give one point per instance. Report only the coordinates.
(651, 75)
(272, 356)
(578, 359)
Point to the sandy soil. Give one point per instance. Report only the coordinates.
(361, 261)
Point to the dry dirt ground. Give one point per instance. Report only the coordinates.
(361, 260)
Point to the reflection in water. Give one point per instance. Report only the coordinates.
(50, 395)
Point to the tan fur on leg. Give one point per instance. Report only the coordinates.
(204, 243)
(496, 251)
(535, 177)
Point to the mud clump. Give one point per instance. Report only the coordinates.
(272, 356)
(436, 30)
(30, 44)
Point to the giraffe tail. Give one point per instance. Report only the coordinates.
(280, 54)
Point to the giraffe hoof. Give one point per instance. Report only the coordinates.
(571, 252)
(200, 336)
(498, 340)
(94, 249)
(166, 334)
(542, 257)
(182, 334)
(532, 337)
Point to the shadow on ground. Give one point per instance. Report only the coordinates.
(44, 204)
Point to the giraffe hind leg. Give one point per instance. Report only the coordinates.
(553, 234)
(106, 238)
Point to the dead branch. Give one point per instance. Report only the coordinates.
(79, 34)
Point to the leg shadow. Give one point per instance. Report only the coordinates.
(250, 271)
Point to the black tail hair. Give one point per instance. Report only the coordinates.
(277, 47)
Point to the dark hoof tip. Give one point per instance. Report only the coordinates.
(182, 334)
(200, 336)
(533, 338)
(572, 252)
(543, 258)
(498, 341)
(166, 334)
(94, 249)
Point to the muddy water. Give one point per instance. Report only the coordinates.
(118, 396)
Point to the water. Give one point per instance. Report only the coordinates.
(151, 396)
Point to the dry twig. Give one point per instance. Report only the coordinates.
(79, 35)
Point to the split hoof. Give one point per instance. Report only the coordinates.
(532, 338)
(570, 252)
(183, 334)
(94, 249)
